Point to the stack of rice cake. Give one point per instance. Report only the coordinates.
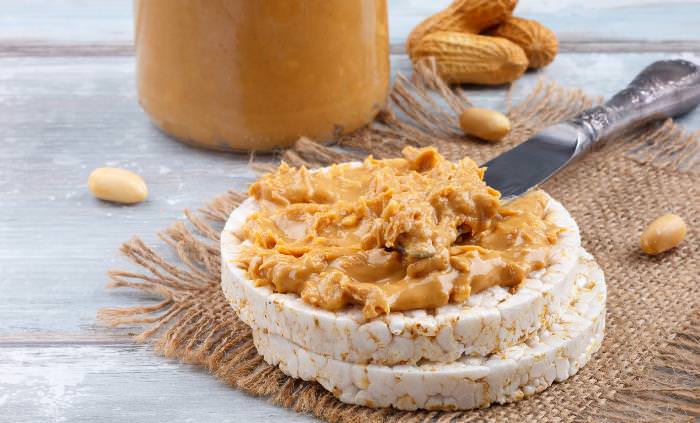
(498, 346)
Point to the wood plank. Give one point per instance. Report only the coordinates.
(61, 117)
(628, 24)
(66, 21)
(119, 384)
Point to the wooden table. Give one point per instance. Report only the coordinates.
(68, 105)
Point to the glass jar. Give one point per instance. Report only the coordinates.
(258, 74)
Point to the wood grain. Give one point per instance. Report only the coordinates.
(118, 383)
(622, 25)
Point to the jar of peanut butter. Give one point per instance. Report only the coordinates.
(258, 74)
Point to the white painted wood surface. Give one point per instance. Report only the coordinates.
(65, 109)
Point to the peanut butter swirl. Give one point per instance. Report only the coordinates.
(417, 232)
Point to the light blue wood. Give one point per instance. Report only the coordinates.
(81, 22)
(118, 384)
(66, 21)
(60, 117)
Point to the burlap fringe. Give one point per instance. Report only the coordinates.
(193, 322)
(668, 146)
(671, 388)
(189, 319)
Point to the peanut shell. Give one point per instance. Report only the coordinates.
(470, 58)
(539, 42)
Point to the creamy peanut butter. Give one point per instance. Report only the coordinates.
(254, 75)
(417, 232)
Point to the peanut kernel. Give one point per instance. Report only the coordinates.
(663, 234)
(117, 185)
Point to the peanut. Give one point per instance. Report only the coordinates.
(539, 42)
(662, 234)
(117, 185)
(466, 16)
(486, 124)
(470, 58)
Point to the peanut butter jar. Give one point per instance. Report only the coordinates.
(247, 75)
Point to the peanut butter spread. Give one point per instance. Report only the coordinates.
(417, 232)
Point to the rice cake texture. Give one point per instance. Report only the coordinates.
(552, 354)
(489, 321)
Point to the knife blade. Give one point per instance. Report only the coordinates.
(664, 89)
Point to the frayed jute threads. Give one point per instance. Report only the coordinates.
(649, 365)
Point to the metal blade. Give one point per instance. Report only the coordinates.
(534, 161)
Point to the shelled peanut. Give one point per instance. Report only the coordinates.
(117, 185)
(489, 125)
(480, 42)
(663, 234)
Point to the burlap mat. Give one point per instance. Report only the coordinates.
(649, 365)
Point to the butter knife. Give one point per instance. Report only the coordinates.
(664, 89)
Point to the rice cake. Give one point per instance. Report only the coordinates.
(552, 354)
(489, 321)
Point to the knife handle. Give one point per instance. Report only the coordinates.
(664, 89)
